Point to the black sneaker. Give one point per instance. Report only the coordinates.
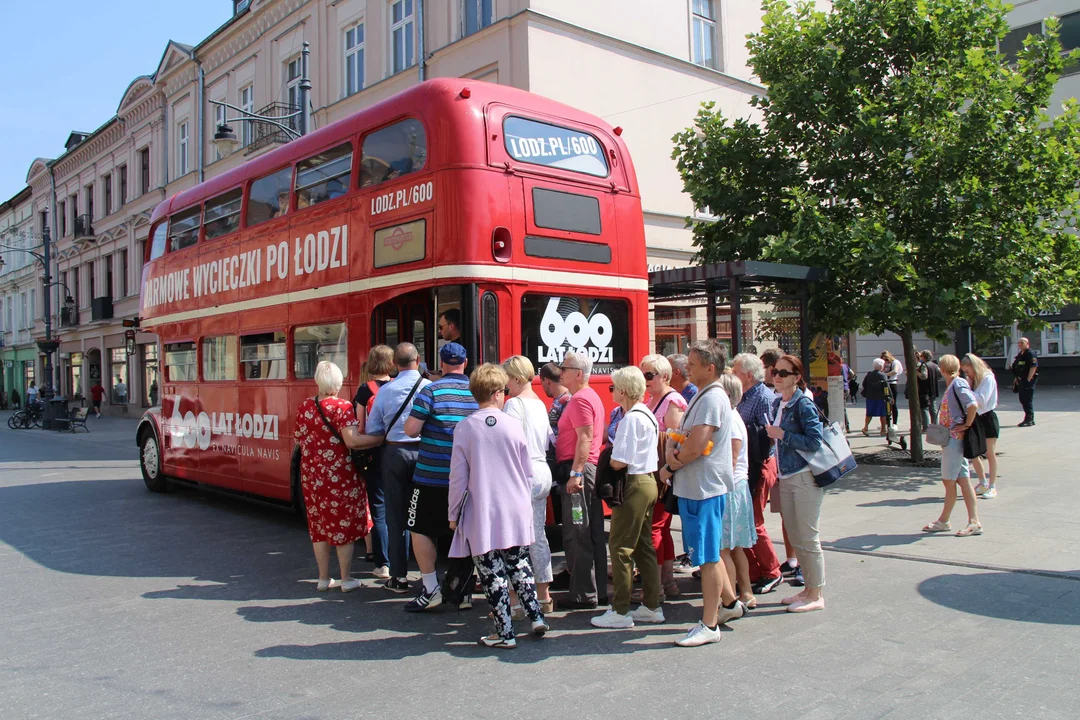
(561, 581)
(398, 585)
(577, 604)
(797, 580)
(767, 585)
(787, 569)
(425, 601)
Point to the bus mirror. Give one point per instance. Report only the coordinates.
(500, 244)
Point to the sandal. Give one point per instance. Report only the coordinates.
(671, 590)
(936, 527)
(866, 432)
(973, 528)
(547, 607)
(751, 603)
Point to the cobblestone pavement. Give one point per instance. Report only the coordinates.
(118, 603)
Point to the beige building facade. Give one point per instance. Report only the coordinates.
(643, 65)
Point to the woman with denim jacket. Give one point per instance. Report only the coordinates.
(796, 426)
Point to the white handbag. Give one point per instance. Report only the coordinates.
(833, 460)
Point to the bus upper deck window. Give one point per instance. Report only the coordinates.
(269, 197)
(161, 235)
(223, 214)
(396, 150)
(184, 229)
(324, 176)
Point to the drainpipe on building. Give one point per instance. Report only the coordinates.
(420, 54)
(201, 121)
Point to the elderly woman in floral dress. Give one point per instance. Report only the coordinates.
(326, 428)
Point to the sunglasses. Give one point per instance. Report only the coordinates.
(784, 373)
(506, 391)
(611, 388)
(650, 376)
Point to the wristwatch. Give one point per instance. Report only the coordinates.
(574, 473)
(668, 468)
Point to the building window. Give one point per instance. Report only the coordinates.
(74, 210)
(219, 120)
(90, 202)
(123, 273)
(108, 194)
(182, 150)
(292, 83)
(90, 266)
(704, 35)
(109, 287)
(1013, 42)
(476, 15)
(118, 375)
(75, 274)
(1062, 338)
(63, 218)
(121, 196)
(354, 59)
(247, 104)
(144, 170)
(1070, 39)
(402, 34)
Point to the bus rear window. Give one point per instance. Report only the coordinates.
(566, 211)
(180, 362)
(324, 176)
(552, 325)
(396, 150)
(184, 229)
(550, 145)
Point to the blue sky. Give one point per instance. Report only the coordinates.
(66, 65)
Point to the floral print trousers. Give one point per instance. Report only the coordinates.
(498, 570)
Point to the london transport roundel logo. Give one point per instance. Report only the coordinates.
(398, 238)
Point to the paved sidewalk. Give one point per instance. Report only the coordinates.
(117, 433)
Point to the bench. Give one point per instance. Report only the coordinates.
(77, 419)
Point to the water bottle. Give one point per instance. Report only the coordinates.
(578, 511)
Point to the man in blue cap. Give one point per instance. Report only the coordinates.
(438, 408)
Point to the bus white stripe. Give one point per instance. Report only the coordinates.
(444, 272)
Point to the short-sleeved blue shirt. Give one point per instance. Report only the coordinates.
(441, 405)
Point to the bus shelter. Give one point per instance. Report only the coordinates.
(749, 306)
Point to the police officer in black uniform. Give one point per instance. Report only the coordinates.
(1026, 369)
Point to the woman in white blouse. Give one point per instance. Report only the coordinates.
(532, 412)
(983, 382)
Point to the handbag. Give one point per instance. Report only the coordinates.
(457, 582)
(937, 435)
(833, 459)
(364, 459)
(974, 436)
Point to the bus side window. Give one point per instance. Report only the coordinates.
(180, 362)
(396, 150)
(263, 356)
(324, 176)
(184, 229)
(268, 197)
(219, 358)
(223, 214)
(161, 236)
(313, 344)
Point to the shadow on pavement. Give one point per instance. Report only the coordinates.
(887, 479)
(901, 502)
(875, 541)
(1007, 596)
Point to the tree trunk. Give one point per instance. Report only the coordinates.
(914, 409)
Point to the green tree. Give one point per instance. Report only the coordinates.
(899, 151)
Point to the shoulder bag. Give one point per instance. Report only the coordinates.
(457, 582)
(611, 483)
(365, 459)
(833, 459)
(974, 436)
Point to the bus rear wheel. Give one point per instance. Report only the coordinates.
(150, 463)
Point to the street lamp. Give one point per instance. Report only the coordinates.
(225, 139)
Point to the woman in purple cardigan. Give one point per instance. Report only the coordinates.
(491, 504)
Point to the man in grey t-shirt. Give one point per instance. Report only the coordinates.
(699, 475)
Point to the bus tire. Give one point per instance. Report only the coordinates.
(150, 462)
(297, 491)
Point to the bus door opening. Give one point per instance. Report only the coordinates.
(429, 319)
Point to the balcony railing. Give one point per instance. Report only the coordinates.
(83, 227)
(266, 134)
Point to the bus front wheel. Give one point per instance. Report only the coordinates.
(150, 463)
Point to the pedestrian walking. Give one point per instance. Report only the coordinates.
(489, 500)
(1025, 368)
(874, 387)
(334, 497)
(97, 394)
(379, 365)
(754, 409)
(958, 413)
(635, 450)
(386, 426)
(581, 435)
(530, 410)
(436, 411)
(667, 406)
(701, 468)
(984, 384)
(893, 370)
(739, 534)
(796, 427)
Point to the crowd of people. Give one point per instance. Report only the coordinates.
(469, 461)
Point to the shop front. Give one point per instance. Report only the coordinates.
(1056, 341)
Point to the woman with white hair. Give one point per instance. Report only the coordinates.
(334, 497)
(873, 389)
(668, 406)
(630, 541)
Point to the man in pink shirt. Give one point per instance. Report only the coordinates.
(581, 435)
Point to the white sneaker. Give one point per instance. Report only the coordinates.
(733, 613)
(700, 634)
(324, 585)
(645, 615)
(350, 585)
(540, 628)
(382, 572)
(612, 619)
(991, 492)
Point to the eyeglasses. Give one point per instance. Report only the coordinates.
(650, 376)
(568, 367)
(784, 373)
(611, 388)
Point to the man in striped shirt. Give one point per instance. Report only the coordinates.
(438, 408)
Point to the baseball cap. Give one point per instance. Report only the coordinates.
(452, 353)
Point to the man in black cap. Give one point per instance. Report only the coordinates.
(438, 408)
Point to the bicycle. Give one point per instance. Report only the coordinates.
(29, 417)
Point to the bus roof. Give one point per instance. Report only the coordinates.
(430, 100)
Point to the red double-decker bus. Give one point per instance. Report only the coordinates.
(518, 213)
